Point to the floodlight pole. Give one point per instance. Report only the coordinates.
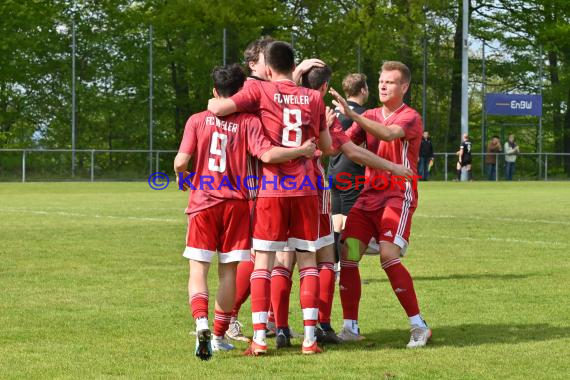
(293, 40)
(465, 70)
(358, 58)
(483, 110)
(540, 117)
(150, 99)
(224, 44)
(424, 82)
(73, 97)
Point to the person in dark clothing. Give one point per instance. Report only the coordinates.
(356, 91)
(464, 154)
(426, 156)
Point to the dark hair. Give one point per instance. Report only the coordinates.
(495, 137)
(316, 77)
(352, 84)
(228, 79)
(279, 56)
(251, 53)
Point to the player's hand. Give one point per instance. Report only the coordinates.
(184, 185)
(308, 148)
(402, 171)
(342, 104)
(305, 66)
(211, 104)
(331, 116)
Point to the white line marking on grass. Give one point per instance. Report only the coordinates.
(558, 222)
(64, 213)
(497, 239)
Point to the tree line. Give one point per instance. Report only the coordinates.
(112, 62)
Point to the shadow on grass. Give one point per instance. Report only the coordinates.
(466, 276)
(461, 336)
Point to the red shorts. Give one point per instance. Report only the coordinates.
(286, 221)
(326, 236)
(388, 224)
(224, 228)
(251, 205)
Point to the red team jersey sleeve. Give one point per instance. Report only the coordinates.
(248, 99)
(409, 122)
(188, 144)
(257, 143)
(355, 132)
(339, 138)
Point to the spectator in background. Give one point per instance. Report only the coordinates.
(356, 92)
(493, 148)
(464, 154)
(426, 156)
(511, 151)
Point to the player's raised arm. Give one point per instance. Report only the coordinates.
(324, 140)
(221, 106)
(305, 66)
(374, 128)
(277, 155)
(367, 158)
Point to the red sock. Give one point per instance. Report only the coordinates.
(260, 297)
(280, 292)
(326, 290)
(243, 276)
(309, 295)
(403, 286)
(350, 289)
(199, 305)
(221, 322)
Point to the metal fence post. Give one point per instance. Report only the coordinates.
(497, 167)
(92, 164)
(446, 167)
(546, 167)
(157, 159)
(24, 166)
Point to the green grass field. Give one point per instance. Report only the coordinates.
(93, 284)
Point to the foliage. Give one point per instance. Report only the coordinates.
(113, 60)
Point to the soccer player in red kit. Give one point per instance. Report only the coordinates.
(255, 60)
(218, 212)
(317, 78)
(394, 132)
(286, 210)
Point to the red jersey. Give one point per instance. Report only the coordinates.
(255, 162)
(338, 137)
(291, 115)
(220, 148)
(404, 151)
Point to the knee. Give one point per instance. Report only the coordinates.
(351, 250)
(389, 251)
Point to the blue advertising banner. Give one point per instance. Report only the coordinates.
(513, 104)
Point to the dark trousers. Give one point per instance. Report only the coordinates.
(510, 171)
(423, 168)
(491, 172)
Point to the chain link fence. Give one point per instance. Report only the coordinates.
(35, 165)
(44, 165)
